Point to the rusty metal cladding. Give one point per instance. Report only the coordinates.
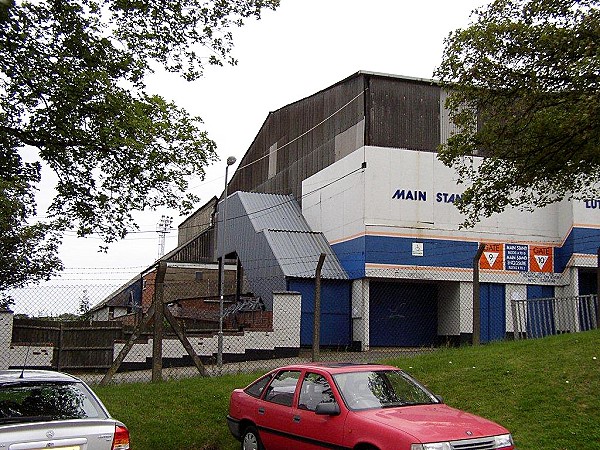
(304, 133)
(201, 220)
(404, 114)
(201, 248)
(366, 108)
(447, 128)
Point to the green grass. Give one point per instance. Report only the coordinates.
(546, 391)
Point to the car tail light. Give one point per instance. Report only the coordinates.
(121, 440)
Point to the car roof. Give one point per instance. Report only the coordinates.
(12, 375)
(338, 367)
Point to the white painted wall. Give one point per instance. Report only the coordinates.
(587, 212)
(360, 312)
(449, 320)
(466, 307)
(35, 355)
(18, 355)
(334, 199)
(343, 204)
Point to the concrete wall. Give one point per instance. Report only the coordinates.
(17, 355)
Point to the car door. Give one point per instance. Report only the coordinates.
(310, 430)
(274, 412)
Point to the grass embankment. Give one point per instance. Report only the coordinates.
(546, 391)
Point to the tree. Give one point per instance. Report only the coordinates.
(523, 82)
(84, 306)
(73, 99)
(27, 252)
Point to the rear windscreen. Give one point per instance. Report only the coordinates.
(46, 401)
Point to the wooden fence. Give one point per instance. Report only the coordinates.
(77, 345)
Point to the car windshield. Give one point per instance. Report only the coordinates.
(381, 389)
(43, 401)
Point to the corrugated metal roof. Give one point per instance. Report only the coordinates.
(273, 211)
(298, 254)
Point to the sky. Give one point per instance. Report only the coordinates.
(301, 48)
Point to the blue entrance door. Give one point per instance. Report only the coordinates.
(492, 312)
(402, 314)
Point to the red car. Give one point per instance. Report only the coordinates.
(353, 406)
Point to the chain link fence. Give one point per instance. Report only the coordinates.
(165, 324)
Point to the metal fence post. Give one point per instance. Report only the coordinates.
(158, 323)
(60, 347)
(317, 313)
(476, 297)
(598, 291)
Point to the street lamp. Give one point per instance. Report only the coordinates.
(162, 228)
(230, 161)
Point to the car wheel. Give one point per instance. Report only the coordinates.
(251, 439)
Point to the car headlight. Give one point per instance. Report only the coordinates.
(502, 441)
(431, 446)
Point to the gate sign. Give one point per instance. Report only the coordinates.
(541, 259)
(516, 257)
(492, 257)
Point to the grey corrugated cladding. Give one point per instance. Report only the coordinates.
(273, 242)
(293, 248)
(298, 254)
(273, 211)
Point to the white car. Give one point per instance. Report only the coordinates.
(41, 409)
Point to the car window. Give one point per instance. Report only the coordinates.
(256, 388)
(281, 390)
(314, 390)
(47, 401)
(381, 389)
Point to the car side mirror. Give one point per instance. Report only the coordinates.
(439, 398)
(327, 409)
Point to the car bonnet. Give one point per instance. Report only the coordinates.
(433, 423)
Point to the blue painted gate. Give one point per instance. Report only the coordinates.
(335, 311)
(540, 313)
(492, 312)
(588, 285)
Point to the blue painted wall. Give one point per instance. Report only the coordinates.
(580, 240)
(355, 253)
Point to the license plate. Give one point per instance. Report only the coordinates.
(71, 447)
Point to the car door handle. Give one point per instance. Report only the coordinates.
(297, 419)
(261, 410)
